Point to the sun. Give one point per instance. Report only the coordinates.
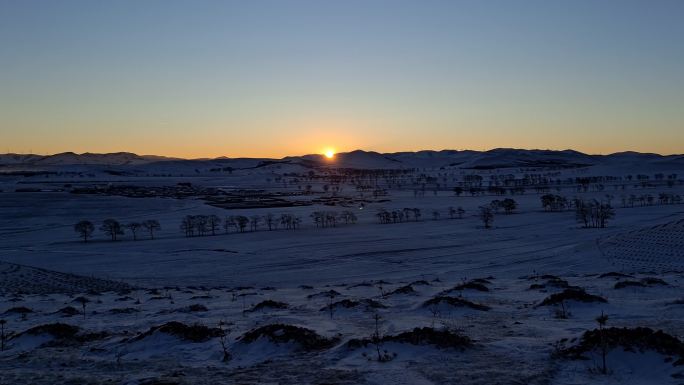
(329, 153)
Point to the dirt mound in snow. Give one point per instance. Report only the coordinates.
(307, 339)
(269, 304)
(61, 334)
(420, 336)
(578, 295)
(191, 333)
(644, 282)
(349, 304)
(638, 339)
(455, 302)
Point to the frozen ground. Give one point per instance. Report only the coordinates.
(216, 281)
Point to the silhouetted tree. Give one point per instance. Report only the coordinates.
(133, 227)
(112, 228)
(230, 223)
(83, 301)
(242, 222)
(224, 333)
(486, 215)
(348, 217)
(2, 334)
(271, 222)
(85, 229)
(151, 225)
(214, 222)
(201, 224)
(188, 225)
(593, 214)
(416, 214)
(509, 205)
(255, 221)
(602, 320)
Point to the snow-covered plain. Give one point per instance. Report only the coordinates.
(133, 287)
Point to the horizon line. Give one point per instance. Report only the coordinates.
(172, 157)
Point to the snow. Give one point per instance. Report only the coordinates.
(44, 266)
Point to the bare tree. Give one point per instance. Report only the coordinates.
(214, 222)
(271, 220)
(224, 333)
(348, 217)
(242, 222)
(133, 227)
(602, 320)
(83, 301)
(486, 215)
(255, 221)
(188, 225)
(509, 205)
(377, 340)
(2, 334)
(201, 224)
(151, 225)
(112, 228)
(593, 214)
(85, 229)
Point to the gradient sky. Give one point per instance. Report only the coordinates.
(275, 78)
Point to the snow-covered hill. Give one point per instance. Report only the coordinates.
(474, 160)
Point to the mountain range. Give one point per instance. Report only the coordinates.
(466, 159)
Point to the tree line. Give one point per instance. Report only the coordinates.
(593, 213)
(588, 213)
(115, 230)
(201, 225)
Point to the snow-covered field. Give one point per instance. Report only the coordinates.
(294, 306)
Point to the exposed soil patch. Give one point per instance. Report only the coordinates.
(348, 304)
(329, 293)
(443, 339)
(192, 333)
(408, 289)
(455, 302)
(614, 274)
(307, 339)
(269, 304)
(573, 294)
(644, 282)
(638, 339)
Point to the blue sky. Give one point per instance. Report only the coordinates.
(276, 78)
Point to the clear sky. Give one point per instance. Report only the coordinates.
(275, 78)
